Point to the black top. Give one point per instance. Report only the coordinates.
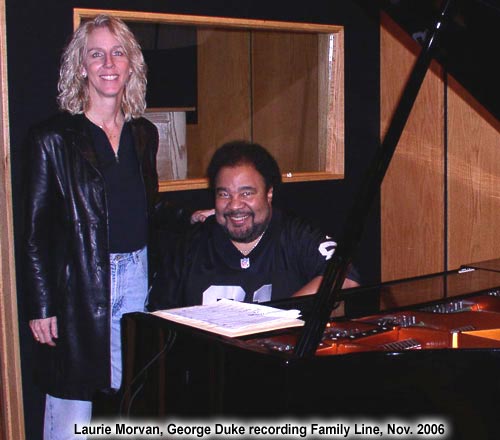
(207, 266)
(125, 195)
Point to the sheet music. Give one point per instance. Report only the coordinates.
(233, 318)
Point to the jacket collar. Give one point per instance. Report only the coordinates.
(83, 139)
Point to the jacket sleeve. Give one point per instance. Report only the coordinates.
(40, 194)
(153, 151)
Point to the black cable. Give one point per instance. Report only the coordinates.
(168, 345)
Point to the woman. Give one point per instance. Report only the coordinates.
(91, 188)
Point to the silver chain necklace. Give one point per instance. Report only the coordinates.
(245, 261)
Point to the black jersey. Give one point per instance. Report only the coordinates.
(207, 266)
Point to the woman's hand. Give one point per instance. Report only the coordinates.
(201, 215)
(44, 330)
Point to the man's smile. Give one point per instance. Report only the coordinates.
(238, 218)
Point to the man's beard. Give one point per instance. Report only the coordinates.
(246, 235)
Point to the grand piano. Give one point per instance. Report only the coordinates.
(421, 349)
(435, 360)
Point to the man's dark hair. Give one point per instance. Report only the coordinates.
(243, 152)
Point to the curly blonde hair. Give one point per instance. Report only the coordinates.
(73, 86)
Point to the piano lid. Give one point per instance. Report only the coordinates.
(329, 291)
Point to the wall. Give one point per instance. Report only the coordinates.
(473, 180)
(440, 198)
(36, 32)
(236, 99)
(412, 196)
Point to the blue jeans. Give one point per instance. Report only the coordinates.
(61, 416)
(129, 289)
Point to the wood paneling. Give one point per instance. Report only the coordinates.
(435, 219)
(11, 404)
(331, 129)
(223, 95)
(412, 199)
(245, 91)
(473, 180)
(285, 102)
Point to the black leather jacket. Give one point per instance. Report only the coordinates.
(66, 244)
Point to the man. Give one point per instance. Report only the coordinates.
(247, 251)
